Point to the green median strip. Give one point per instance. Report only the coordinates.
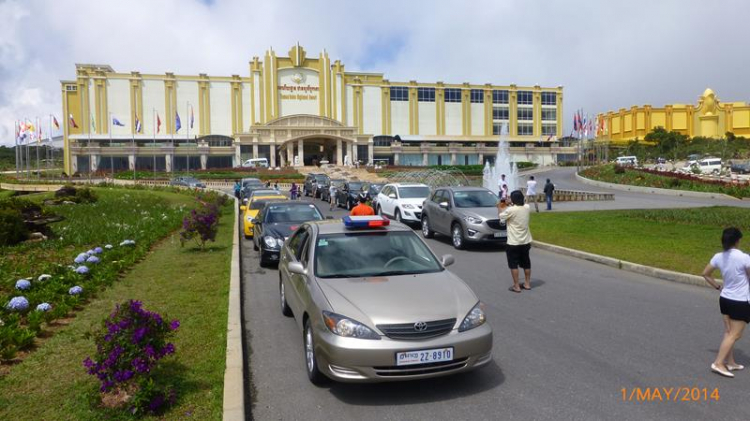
(682, 240)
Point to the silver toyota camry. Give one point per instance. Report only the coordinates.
(374, 304)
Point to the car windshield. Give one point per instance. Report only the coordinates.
(292, 213)
(258, 204)
(362, 254)
(321, 178)
(376, 188)
(414, 192)
(251, 183)
(475, 199)
(355, 186)
(264, 192)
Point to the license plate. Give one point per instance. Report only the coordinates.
(500, 234)
(424, 357)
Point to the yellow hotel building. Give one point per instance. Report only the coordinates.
(709, 118)
(294, 110)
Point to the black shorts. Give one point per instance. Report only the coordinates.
(518, 256)
(736, 310)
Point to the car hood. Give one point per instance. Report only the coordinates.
(280, 229)
(486, 213)
(400, 299)
(416, 202)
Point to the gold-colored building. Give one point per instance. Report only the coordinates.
(709, 118)
(294, 110)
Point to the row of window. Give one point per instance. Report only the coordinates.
(527, 129)
(499, 96)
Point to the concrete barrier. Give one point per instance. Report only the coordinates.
(573, 196)
(654, 190)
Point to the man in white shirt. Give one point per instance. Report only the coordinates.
(531, 192)
(331, 196)
(500, 183)
(516, 218)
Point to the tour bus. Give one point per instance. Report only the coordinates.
(256, 163)
(627, 161)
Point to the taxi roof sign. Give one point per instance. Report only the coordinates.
(365, 221)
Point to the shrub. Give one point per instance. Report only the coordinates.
(129, 346)
(77, 195)
(12, 228)
(201, 225)
(619, 169)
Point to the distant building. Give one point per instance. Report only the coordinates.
(296, 110)
(710, 118)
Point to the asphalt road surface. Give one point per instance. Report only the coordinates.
(567, 350)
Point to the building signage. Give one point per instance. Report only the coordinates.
(300, 92)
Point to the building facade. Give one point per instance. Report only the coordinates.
(709, 118)
(297, 110)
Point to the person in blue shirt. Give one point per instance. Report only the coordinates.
(237, 188)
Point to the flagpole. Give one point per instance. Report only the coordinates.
(135, 157)
(28, 158)
(153, 143)
(49, 143)
(111, 157)
(187, 137)
(38, 142)
(16, 132)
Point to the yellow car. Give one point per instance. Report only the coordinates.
(251, 210)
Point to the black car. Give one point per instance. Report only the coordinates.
(741, 167)
(325, 195)
(191, 182)
(347, 196)
(248, 189)
(373, 191)
(315, 184)
(275, 222)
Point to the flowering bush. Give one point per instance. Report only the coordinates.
(129, 346)
(92, 259)
(76, 290)
(44, 307)
(18, 304)
(201, 225)
(23, 284)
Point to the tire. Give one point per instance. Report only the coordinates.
(255, 245)
(426, 231)
(311, 363)
(379, 211)
(397, 216)
(348, 204)
(457, 237)
(285, 310)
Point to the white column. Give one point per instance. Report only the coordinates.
(131, 162)
(301, 152)
(290, 153)
(93, 162)
(237, 154)
(349, 152)
(453, 159)
(73, 163)
(481, 159)
(425, 160)
(282, 159)
(370, 152)
(396, 158)
(204, 161)
(273, 156)
(168, 162)
(339, 152)
(255, 150)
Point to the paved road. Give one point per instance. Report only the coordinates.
(563, 351)
(564, 179)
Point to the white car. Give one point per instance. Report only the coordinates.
(403, 202)
(706, 166)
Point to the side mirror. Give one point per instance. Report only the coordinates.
(444, 205)
(296, 267)
(392, 195)
(447, 260)
(243, 208)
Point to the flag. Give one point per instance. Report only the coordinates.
(177, 123)
(192, 117)
(54, 121)
(116, 122)
(137, 124)
(158, 123)
(72, 122)
(93, 123)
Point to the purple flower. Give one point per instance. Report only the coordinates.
(135, 305)
(140, 365)
(18, 304)
(81, 258)
(98, 250)
(93, 259)
(174, 324)
(88, 363)
(156, 403)
(139, 334)
(82, 270)
(168, 349)
(23, 284)
(44, 307)
(76, 290)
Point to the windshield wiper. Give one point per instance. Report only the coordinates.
(395, 272)
(340, 275)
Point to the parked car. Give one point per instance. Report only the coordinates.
(337, 183)
(373, 191)
(403, 202)
(275, 222)
(627, 161)
(315, 183)
(466, 214)
(374, 304)
(248, 190)
(191, 182)
(256, 163)
(251, 181)
(347, 195)
(250, 211)
(704, 166)
(741, 167)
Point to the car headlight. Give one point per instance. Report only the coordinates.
(474, 319)
(473, 220)
(273, 242)
(408, 206)
(347, 328)
(249, 219)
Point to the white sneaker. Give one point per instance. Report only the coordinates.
(723, 372)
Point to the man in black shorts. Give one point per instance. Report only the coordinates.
(516, 217)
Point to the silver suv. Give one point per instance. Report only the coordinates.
(466, 214)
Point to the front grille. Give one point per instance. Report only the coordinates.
(407, 330)
(418, 369)
(495, 224)
(418, 215)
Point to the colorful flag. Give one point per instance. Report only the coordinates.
(177, 123)
(137, 124)
(116, 122)
(72, 122)
(158, 123)
(54, 121)
(192, 117)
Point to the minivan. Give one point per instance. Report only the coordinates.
(256, 163)
(627, 161)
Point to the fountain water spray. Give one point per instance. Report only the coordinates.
(503, 165)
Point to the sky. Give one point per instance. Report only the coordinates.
(607, 55)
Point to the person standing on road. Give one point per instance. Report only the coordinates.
(500, 183)
(531, 192)
(331, 196)
(362, 209)
(293, 191)
(237, 189)
(516, 217)
(734, 299)
(549, 190)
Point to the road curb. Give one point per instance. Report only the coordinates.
(668, 275)
(234, 392)
(653, 190)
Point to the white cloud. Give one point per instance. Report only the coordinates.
(607, 55)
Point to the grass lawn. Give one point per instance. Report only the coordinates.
(682, 240)
(4, 194)
(181, 283)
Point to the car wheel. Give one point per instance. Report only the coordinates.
(378, 210)
(255, 245)
(348, 204)
(457, 237)
(397, 216)
(311, 363)
(285, 310)
(426, 231)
